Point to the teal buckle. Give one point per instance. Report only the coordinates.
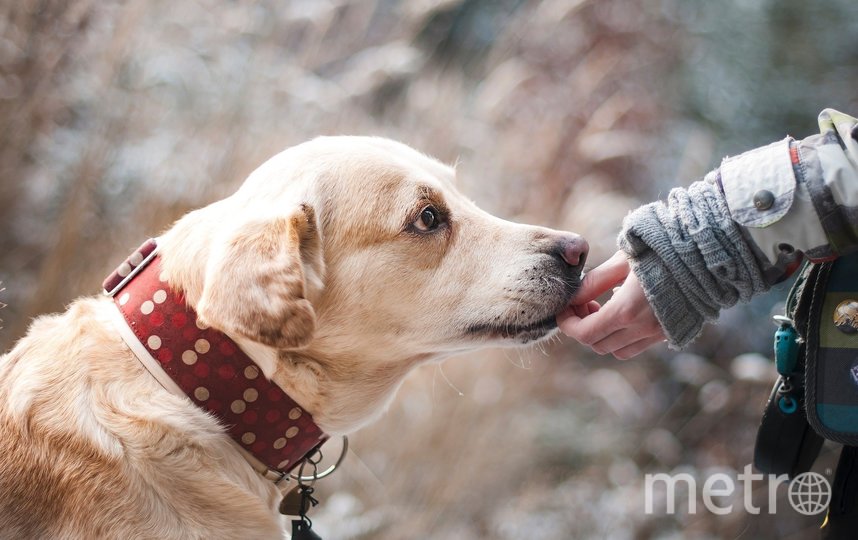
(786, 346)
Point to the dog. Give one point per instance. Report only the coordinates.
(337, 267)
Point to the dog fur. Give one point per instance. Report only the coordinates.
(319, 267)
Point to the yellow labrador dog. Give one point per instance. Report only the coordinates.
(337, 267)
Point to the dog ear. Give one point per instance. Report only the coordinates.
(255, 286)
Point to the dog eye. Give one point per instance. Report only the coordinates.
(428, 219)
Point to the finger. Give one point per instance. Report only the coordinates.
(602, 278)
(591, 329)
(638, 347)
(583, 310)
(624, 337)
(569, 320)
(580, 310)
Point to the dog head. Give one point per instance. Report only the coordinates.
(357, 252)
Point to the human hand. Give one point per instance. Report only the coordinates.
(625, 326)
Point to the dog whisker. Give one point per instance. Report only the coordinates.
(453, 386)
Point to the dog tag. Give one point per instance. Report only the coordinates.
(301, 530)
(294, 503)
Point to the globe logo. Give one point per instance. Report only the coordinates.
(809, 493)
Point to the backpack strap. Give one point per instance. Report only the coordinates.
(785, 442)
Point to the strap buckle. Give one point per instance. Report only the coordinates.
(129, 268)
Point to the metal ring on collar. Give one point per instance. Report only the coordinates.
(327, 472)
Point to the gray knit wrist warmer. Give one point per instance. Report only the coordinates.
(690, 258)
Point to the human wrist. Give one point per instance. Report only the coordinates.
(681, 323)
(691, 259)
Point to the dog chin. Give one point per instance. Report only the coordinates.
(516, 332)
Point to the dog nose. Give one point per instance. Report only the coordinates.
(573, 249)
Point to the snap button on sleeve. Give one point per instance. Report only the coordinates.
(764, 199)
(759, 185)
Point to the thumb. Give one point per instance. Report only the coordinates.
(602, 278)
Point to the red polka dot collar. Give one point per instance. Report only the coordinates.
(207, 367)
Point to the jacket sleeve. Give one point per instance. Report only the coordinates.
(746, 226)
(798, 196)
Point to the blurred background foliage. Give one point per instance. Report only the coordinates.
(118, 117)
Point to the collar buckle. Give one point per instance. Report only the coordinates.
(130, 267)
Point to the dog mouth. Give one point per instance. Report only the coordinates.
(522, 333)
(531, 313)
